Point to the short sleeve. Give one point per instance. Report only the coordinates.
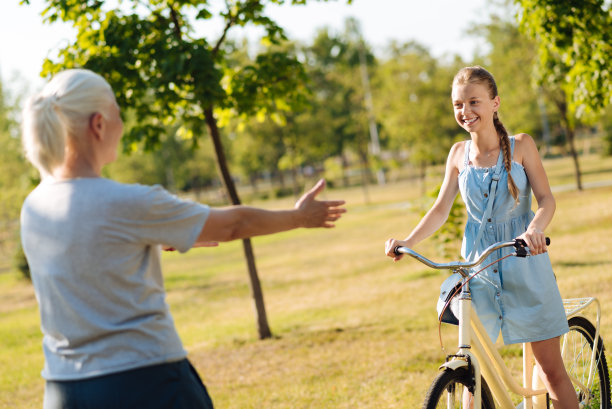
(152, 215)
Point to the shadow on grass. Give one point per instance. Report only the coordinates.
(571, 264)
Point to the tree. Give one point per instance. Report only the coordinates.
(16, 180)
(166, 74)
(510, 59)
(277, 143)
(414, 100)
(575, 53)
(335, 64)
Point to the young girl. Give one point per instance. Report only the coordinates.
(518, 297)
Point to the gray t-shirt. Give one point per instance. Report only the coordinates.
(93, 247)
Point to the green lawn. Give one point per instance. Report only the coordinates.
(351, 328)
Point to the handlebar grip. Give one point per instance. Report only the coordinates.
(397, 253)
(521, 242)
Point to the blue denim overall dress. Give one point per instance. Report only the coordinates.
(518, 296)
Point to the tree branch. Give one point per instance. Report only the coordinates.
(229, 25)
(175, 20)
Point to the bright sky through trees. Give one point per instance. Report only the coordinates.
(439, 24)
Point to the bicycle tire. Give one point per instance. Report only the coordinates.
(576, 358)
(447, 382)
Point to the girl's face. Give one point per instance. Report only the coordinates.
(473, 106)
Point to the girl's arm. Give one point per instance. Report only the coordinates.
(529, 157)
(437, 215)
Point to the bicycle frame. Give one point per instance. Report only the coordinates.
(475, 347)
(475, 341)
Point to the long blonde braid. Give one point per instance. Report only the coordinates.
(478, 75)
(504, 143)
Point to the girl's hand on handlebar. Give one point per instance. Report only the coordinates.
(390, 247)
(536, 241)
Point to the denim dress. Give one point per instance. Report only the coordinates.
(518, 296)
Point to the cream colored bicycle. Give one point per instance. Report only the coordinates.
(479, 367)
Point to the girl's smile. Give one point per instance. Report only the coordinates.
(473, 106)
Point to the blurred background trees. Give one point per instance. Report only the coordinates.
(281, 113)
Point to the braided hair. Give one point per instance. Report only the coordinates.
(478, 75)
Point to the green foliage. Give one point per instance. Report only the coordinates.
(413, 99)
(450, 234)
(167, 76)
(575, 50)
(328, 116)
(511, 58)
(606, 127)
(339, 119)
(16, 180)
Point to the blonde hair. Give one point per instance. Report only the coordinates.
(478, 75)
(60, 111)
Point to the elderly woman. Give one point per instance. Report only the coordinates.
(93, 246)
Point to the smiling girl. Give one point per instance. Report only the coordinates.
(518, 297)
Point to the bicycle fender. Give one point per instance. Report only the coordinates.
(454, 364)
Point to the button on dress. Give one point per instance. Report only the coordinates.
(517, 296)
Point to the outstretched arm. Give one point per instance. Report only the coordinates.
(437, 215)
(239, 222)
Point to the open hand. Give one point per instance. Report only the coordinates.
(318, 213)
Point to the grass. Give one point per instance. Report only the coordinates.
(351, 329)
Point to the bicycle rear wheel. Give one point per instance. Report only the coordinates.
(446, 391)
(577, 351)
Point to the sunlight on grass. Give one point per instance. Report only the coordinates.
(351, 328)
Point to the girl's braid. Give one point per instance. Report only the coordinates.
(504, 143)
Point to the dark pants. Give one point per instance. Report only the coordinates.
(174, 385)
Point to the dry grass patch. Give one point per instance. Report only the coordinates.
(352, 329)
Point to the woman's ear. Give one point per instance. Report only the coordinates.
(96, 125)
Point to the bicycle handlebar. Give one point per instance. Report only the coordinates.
(519, 244)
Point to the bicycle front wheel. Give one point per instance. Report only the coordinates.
(447, 390)
(577, 349)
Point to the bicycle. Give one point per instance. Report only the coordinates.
(479, 367)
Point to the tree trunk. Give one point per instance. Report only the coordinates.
(571, 136)
(572, 143)
(262, 320)
(365, 175)
(345, 165)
